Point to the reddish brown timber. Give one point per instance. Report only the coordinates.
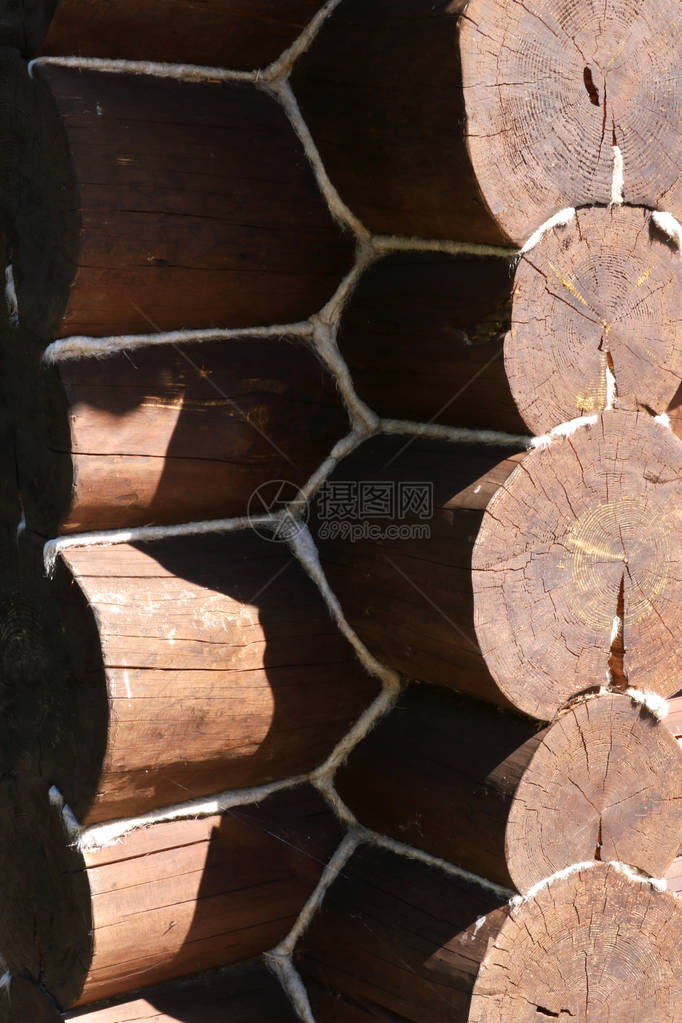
(381, 91)
(171, 433)
(242, 994)
(596, 316)
(584, 535)
(241, 34)
(552, 88)
(395, 527)
(23, 23)
(175, 898)
(488, 791)
(222, 665)
(170, 204)
(422, 335)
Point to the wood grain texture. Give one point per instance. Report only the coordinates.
(439, 773)
(196, 208)
(585, 530)
(600, 294)
(223, 668)
(407, 590)
(172, 433)
(543, 115)
(489, 792)
(242, 994)
(595, 945)
(396, 940)
(381, 90)
(173, 899)
(422, 335)
(22, 1000)
(615, 773)
(241, 34)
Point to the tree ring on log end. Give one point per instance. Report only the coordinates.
(591, 947)
(550, 89)
(605, 783)
(577, 564)
(600, 295)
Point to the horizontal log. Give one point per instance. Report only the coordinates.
(607, 285)
(396, 939)
(173, 899)
(235, 34)
(585, 531)
(170, 433)
(402, 572)
(492, 794)
(169, 205)
(221, 667)
(390, 73)
(422, 334)
(242, 994)
(542, 133)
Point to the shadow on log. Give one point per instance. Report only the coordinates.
(241, 34)
(242, 994)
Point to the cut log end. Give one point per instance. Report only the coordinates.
(575, 568)
(605, 784)
(608, 285)
(590, 81)
(596, 945)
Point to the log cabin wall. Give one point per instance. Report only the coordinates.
(235, 255)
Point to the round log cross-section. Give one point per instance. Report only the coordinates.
(615, 773)
(600, 295)
(576, 566)
(594, 946)
(552, 87)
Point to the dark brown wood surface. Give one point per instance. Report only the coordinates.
(381, 91)
(223, 668)
(584, 531)
(408, 594)
(243, 34)
(175, 898)
(172, 433)
(22, 1000)
(544, 112)
(396, 940)
(422, 336)
(195, 207)
(242, 994)
(597, 295)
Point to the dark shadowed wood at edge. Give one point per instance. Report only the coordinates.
(241, 34)
(489, 792)
(544, 114)
(242, 994)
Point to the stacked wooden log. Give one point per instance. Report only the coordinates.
(217, 763)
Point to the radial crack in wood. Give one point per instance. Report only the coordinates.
(576, 517)
(552, 87)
